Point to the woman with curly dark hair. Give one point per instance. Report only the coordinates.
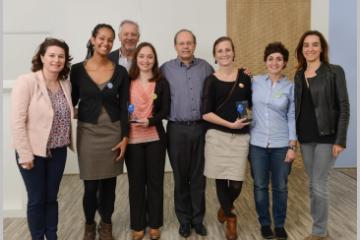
(41, 116)
(273, 140)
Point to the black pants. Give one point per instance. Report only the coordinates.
(227, 192)
(99, 195)
(145, 163)
(186, 153)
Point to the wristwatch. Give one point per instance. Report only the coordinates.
(292, 147)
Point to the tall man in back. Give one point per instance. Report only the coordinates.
(186, 132)
(129, 35)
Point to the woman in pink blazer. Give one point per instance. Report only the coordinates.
(41, 114)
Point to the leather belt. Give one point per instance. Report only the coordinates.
(187, 123)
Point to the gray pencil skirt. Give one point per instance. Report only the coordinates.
(94, 144)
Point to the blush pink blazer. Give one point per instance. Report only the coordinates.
(32, 115)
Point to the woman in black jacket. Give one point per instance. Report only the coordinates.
(145, 155)
(100, 88)
(322, 118)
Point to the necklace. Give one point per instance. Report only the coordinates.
(51, 85)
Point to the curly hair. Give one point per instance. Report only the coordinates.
(276, 47)
(37, 64)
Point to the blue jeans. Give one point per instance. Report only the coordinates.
(318, 161)
(42, 185)
(266, 163)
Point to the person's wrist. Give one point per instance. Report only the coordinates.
(292, 147)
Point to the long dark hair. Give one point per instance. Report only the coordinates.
(37, 64)
(95, 31)
(134, 71)
(324, 55)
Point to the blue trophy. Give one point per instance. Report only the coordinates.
(241, 109)
(131, 109)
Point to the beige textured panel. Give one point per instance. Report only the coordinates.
(252, 24)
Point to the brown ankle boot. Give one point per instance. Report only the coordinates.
(221, 215)
(105, 231)
(90, 232)
(138, 235)
(154, 233)
(231, 231)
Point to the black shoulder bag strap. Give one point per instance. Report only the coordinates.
(230, 92)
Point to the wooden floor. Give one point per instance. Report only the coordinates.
(342, 223)
(351, 172)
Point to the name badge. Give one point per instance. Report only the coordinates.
(278, 95)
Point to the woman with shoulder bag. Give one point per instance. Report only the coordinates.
(227, 137)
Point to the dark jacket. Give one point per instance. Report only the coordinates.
(330, 99)
(161, 107)
(114, 56)
(114, 97)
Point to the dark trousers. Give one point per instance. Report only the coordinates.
(186, 153)
(99, 195)
(145, 164)
(42, 185)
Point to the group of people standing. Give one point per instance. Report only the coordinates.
(121, 98)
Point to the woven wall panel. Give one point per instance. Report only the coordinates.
(252, 24)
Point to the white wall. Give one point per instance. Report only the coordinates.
(14, 195)
(342, 42)
(26, 26)
(27, 23)
(320, 16)
(336, 21)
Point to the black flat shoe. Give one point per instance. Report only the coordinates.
(280, 233)
(200, 229)
(266, 232)
(184, 230)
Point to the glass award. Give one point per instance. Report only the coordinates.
(131, 109)
(241, 109)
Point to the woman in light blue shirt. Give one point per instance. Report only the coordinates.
(273, 139)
